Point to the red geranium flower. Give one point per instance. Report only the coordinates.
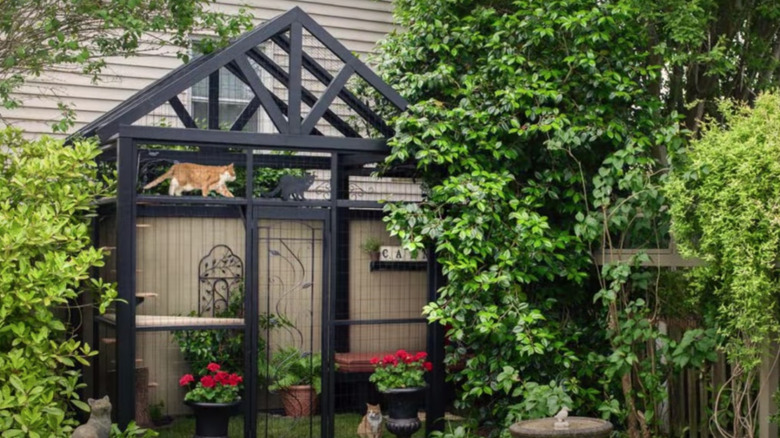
(213, 367)
(374, 360)
(186, 380)
(234, 379)
(221, 377)
(428, 366)
(421, 355)
(207, 382)
(389, 360)
(401, 354)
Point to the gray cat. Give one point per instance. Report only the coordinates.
(292, 187)
(99, 423)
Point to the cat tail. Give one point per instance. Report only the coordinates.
(272, 193)
(162, 178)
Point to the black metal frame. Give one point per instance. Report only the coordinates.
(122, 141)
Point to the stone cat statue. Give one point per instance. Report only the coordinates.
(371, 425)
(189, 176)
(99, 423)
(292, 187)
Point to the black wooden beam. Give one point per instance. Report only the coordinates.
(345, 55)
(188, 77)
(335, 87)
(294, 87)
(307, 96)
(229, 139)
(277, 101)
(435, 402)
(322, 74)
(252, 316)
(182, 113)
(223, 158)
(246, 115)
(126, 281)
(262, 93)
(214, 100)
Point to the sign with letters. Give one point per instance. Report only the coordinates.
(399, 254)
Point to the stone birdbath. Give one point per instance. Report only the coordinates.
(562, 426)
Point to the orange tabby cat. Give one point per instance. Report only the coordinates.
(371, 425)
(188, 176)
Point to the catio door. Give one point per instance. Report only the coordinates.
(292, 284)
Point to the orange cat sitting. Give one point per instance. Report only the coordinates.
(371, 425)
(188, 176)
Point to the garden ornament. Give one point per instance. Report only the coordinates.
(560, 418)
(99, 423)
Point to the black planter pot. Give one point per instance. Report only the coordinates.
(211, 419)
(402, 407)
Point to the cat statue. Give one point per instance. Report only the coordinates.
(99, 423)
(292, 187)
(189, 176)
(371, 424)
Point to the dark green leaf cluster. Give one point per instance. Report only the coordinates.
(533, 126)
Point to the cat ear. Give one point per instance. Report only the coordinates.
(90, 401)
(230, 166)
(105, 398)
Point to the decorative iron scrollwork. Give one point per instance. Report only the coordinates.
(220, 273)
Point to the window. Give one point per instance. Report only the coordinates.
(233, 98)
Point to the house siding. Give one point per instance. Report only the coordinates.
(358, 24)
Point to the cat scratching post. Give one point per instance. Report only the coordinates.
(142, 397)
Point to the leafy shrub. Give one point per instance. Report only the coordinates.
(289, 367)
(46, 191)
(132, 431)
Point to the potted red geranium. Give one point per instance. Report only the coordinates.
(401, 378)
(213, 398)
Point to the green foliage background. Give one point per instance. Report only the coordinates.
(46, 194)
(541, 130)
(725, 205)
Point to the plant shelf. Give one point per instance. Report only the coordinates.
(398, 266)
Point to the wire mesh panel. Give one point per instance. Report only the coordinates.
(291, 283)
(189, 308)
(378, 309)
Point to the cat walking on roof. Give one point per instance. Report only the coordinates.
(189, 176)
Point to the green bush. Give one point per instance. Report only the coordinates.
(46, 191)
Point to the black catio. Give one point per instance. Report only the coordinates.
(247, 231)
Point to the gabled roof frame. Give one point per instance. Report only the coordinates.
(294, 131)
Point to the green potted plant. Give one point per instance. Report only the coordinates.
(401, 379)
(296, 376)
(371, 247)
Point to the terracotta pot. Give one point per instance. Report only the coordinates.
(299, 401)
(211, 419)
(402, 407)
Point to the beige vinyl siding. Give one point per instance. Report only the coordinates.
(358, 24)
